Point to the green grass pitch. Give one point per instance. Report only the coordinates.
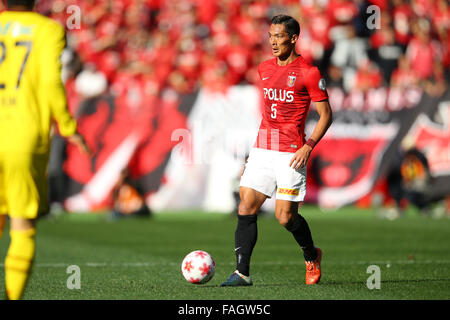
(141, 258)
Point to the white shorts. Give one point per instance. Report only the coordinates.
(269, 170)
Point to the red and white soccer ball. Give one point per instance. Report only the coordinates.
(198, 267)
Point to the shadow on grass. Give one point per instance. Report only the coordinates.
(332, 283)
(385, 281)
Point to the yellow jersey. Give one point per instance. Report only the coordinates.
(32, 93)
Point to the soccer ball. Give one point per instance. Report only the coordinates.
(198, 267)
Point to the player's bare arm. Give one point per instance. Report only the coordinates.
(301, 157)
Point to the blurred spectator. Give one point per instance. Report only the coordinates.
(215, 75)
(180, 84)
(404, 76)
(436, 84)
(90, 83)
(422, 8)
(367, 76)
(127, 201)
(402, 13)
(189, 56)
(410, 178)
(444, 39)
(310, 49)
(237, 57)
(441, 16)
(364, 16)
(348, 53)
(341, 12)
(386, 51)
(422, 50)
(315, 18)
(334, 77)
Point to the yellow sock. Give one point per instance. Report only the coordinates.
(18, 262)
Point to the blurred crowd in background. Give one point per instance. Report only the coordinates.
(144, 52)
(149, 45)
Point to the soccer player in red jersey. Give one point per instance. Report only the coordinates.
(279, 157)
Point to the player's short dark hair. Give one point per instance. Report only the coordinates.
(290, 24)
(27, 3)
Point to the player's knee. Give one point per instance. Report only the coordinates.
(247, 207)
(284, 221)
(18, 224)
(283, 217)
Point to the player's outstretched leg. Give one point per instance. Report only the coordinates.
(245, 239)
(245, 236)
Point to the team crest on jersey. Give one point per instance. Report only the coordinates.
(322, 84)
(291, 80)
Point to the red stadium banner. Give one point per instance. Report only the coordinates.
(122, 139)
(213, 133)
(365, 142)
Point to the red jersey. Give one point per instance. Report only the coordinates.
(287, 93)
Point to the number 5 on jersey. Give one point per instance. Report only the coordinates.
(273, 108)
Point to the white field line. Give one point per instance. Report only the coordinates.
(275, 263)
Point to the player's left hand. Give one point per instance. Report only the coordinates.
(78, 140)
(300, 157)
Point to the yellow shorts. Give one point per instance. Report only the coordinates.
(23, 185)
